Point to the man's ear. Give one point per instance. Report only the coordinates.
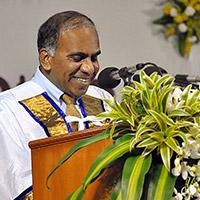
(45, 59)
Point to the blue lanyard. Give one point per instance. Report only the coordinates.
(62, 114)
(83, 112)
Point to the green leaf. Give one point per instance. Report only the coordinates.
(121, 108)
(166, 19)
(126, 91)
(163, 99)
(178, 134)
(110, 103)
(138, 86)
(149, 149)
(165, 153)
(167, 119)
(193, 97)
(116, 193)
(153, 100)
(159, 119)
(133, 176)
(148, 142)
(154, 76)
(149, 82)
(166, 79)
(110, 154)
(178, 113)
(157, 135)
(181, 43)
(159, 183)
(76, 147)
(77, 195)
(186, 94)
(171, 142)
(143, 129)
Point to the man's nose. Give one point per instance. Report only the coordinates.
(88, 66)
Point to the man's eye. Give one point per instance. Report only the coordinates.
(94, 58)
(77, 58)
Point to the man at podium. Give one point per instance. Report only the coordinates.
(58, 100)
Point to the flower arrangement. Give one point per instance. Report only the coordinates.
(181, 18)
(156, 130)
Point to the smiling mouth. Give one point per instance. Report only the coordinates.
(82, 80)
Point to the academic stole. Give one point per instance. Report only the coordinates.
(52, 119)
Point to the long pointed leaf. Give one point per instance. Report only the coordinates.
(165, 153)
(133, 176)
(76, 147)
(160, 184)
(111, 153)
(159, 119)
(77, 195)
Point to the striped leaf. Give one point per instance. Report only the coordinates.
(165, 153)
(163, 99)
(110, 154)
(159, 183)
(148, 142)
(166, 79)
(153, 100)
(77, 195)
(178, 113)
(133, 176)
(171, 142)
(159, 119)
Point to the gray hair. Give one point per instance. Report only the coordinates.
(50, 30)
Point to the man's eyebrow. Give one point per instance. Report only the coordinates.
(76, 53)
(97, 53)
(83, 54)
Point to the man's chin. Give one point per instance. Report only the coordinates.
(78, 92)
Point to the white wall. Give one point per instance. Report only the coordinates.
(126, 31)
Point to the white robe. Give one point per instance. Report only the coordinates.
(17, 129)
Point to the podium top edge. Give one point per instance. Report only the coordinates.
(34, 144)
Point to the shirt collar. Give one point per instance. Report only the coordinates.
(48, 86)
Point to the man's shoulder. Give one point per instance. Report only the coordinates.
(98, 92)
(23, 91)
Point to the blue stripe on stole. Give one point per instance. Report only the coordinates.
(81, 105)
(62, 114)
(102, 105)
(35, 118)
(24, 193)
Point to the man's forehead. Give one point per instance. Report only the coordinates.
(79, 39)
(76, 23)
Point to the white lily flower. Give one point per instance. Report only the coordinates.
(185, 169)
(182, 28)
(190, 11)
(192, 149)
(192, 189)
(173, 12)
(178, 196)
(175, 172)
(192, 39)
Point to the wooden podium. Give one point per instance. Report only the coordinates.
(47, 152)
